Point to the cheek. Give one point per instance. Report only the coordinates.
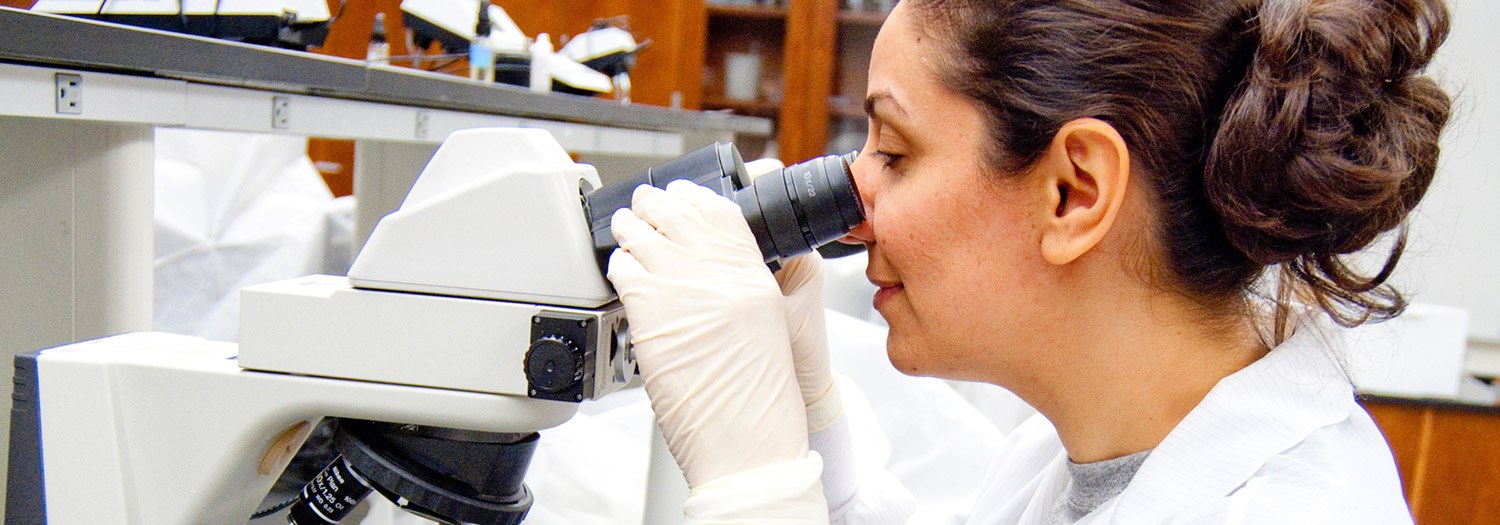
(964, 248)
(965, 265)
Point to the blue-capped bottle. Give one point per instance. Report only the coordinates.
(481, 55)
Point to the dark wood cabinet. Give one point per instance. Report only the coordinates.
(1448, 455)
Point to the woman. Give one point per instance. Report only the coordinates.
(1132, 213)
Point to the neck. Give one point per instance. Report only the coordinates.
(1129, 369)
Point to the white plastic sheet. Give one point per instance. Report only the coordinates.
(235, 209)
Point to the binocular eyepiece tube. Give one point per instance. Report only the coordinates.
(791, 212)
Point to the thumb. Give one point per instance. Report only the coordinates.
(799, 272)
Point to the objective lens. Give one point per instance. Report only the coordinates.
(442, 474)
(330, 496)
(791, 212)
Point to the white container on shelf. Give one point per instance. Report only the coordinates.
(742, 76)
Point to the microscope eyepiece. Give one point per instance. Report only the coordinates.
(791, 211)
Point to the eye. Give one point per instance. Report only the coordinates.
(888, 159)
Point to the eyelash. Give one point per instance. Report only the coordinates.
(887, 159)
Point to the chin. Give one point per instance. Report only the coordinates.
(907, 357)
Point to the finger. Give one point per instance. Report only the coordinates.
(624, 270)
(655, 252)
(671, 216)
(633, 284)
(716, 209)
(629, 276)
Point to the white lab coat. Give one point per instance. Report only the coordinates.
(1281, 441)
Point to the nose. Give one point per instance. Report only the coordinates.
(864, 181)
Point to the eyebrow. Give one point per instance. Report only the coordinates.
(882, 96)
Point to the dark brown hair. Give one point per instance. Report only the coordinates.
(1277, 134)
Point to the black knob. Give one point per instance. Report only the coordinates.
(554, 364)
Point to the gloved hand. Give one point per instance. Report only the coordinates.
(709, 328)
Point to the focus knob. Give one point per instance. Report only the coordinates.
(554, 364)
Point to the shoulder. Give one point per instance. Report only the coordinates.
(1342, 473)
(1280, 441)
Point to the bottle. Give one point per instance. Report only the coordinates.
(379, 53)
(481, 55)
(541, 57)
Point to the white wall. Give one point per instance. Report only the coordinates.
(1453, 253)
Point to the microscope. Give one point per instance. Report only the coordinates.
(596, 61)
(288, 24)
(476, 315)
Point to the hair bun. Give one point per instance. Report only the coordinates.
(1332, 137)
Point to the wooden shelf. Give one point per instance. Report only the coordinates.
(757, 108)
(800, 42)
(871, 19)
(753, 12)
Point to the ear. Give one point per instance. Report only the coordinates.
(1084, 175)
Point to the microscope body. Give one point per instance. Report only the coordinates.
(478, 306)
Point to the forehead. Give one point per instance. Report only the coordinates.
(894, 46)
(905, 60)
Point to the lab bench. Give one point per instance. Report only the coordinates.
(80, 102)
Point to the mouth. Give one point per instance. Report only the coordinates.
(888, 289)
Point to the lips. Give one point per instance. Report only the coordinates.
(888, 289)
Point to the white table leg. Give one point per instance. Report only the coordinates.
(76, 235)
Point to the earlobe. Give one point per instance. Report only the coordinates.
(1088, 171)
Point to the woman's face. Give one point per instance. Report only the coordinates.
(951, 245)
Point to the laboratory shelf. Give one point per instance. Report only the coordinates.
(57, 41)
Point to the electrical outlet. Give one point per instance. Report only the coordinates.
(281, 112)
(69, 93)
(422, 122)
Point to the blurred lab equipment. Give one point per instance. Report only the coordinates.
(599, 63)
(475, 316)
(451, 24)
(539, 77)
(608, 49)
(290, 24)
(379, 52)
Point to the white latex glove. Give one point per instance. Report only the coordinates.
(801, 283)
(709, 330)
